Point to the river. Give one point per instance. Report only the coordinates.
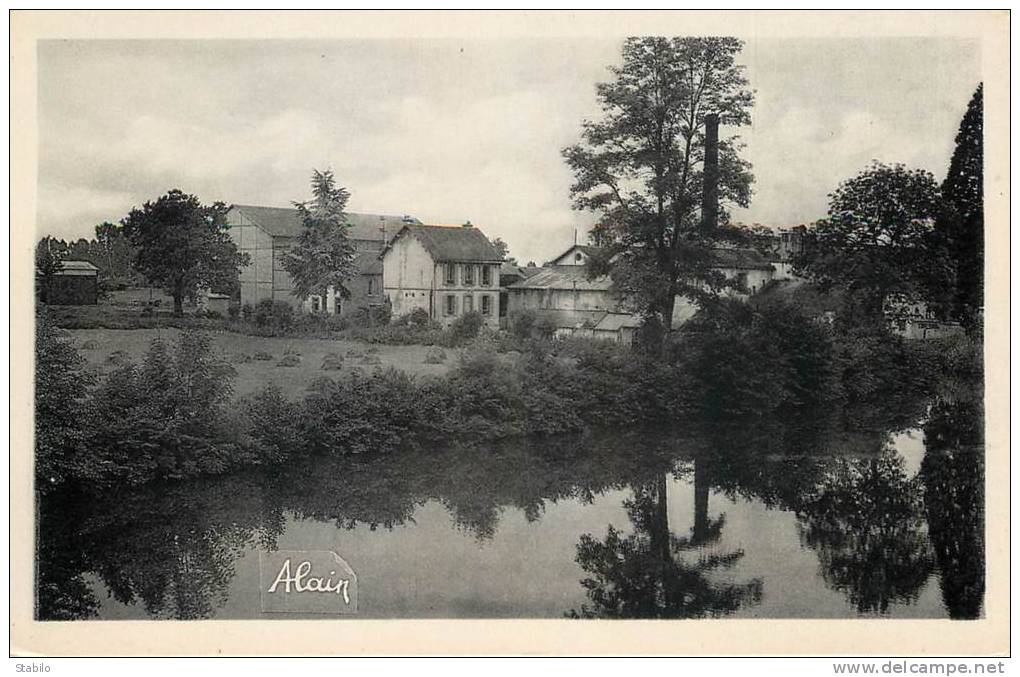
(753, 519)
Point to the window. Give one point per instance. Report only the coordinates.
(371, 285)
(486, 305)
(578, 256)
(451, 274)
(469, 303)
(469, 275)
(486, 276)
(315, 304)
(451, 304)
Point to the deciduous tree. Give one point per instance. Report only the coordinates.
(875, 239)
(183, 245)
(640, 168)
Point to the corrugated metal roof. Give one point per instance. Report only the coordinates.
(452, 243)
(741, 258)
(285, 222)
(77, 268)
(564, 277)
(613, 322)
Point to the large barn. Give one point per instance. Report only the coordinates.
(266, 233)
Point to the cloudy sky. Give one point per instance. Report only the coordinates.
(449, 130)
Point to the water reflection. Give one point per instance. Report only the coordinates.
(878, 533)
(953, 477)
(864, 519)
(646, 574)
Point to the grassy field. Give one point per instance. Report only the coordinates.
(97, 346)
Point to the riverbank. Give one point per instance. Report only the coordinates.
(195, 403)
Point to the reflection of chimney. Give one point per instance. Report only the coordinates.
(710, 188)
(700, 533)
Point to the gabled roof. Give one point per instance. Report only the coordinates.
(586, 249)
(285, 222)
(77, 268)
(451, 243)
(564, 277)
(76, 265)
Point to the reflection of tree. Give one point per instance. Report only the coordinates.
(865, 521)
(62, 594)
(170, 547)
(953, 476)
(644, 576)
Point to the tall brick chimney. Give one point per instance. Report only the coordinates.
(710, 188)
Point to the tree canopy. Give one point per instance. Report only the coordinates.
(323, 257)
(502, 247)
(640, 168)
(874, 241)
(183, 245)
(960, 230)
(49, 258)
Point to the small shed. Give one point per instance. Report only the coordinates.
(76, 284)
(618, 327)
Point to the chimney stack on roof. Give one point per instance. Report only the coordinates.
(467, 224)
(710, 180)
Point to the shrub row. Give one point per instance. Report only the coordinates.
(172, 415)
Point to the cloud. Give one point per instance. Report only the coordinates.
(450, 130)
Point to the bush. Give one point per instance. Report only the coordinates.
(740, 359)
(275, 426)
(247, 312)
(234, 310)
(419, 318)
(375, 413)
(522, 325)
(166, 418)
(435, 355)
(89, 345)
(272, 314)
(63, 411)
(262, 356)
(467, 326)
